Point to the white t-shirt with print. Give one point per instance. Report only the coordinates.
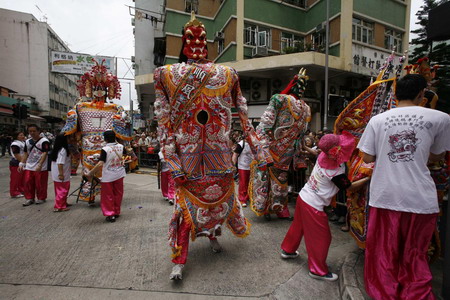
(402, 139)
(246, 156)
(34, 156)
(319, 189)
(113, 168)
(62, 159)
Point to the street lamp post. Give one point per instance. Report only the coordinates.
(327, 43)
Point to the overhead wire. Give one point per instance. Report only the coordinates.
(102, 42)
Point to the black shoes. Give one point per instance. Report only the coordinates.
(111, 219)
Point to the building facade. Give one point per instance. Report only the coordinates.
(150, 48)
(267, 41)
(24, 58)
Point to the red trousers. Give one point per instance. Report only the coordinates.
(396, 262)
(36, 185)
(16, 182)
(244, 178)
(111, 197)
(61, 192)
(167, 185)
(312, 224)
(183, 240)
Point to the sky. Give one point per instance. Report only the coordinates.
(101, 27)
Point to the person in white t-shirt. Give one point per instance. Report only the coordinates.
(243, 156)
(327, 178)
(61, 165)
(16, 184)
(34, 162)
(403, 198)
(111, 159)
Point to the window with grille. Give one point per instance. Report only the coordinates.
(393, 40)
(191, 5)
(299, 3)
(255, 35)
(290, 41)
(220, 46)
(362, 31)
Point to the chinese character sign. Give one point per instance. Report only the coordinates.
(78, 63)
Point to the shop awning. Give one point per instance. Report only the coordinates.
(6, 111)
(33, 117)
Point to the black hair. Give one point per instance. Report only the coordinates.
(35, 126)
(16, 134)
(60, 142)
(409, 86)
(110, 136)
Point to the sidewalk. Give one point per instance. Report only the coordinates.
(77, 255)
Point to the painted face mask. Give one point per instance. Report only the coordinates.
(194, 39)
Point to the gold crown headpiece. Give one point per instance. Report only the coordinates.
(422, 67)
(99, 78)
(193, 22)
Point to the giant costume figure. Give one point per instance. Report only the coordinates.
(193, 108)
(89, 119)
(377, 98)
(280, 130)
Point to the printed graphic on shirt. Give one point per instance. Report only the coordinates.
(404, 142)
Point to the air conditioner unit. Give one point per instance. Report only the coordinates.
(219, 35)
(260, 51)
(133, 59)
(321, 26)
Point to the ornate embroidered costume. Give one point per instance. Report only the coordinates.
(193, 108)
(281, 127)
(91, 119)
(377, 98)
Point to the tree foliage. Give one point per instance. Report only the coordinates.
(438, 53)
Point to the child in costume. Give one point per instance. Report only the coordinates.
(16, 185)
(61, 165)
(327, 177)
(111, 159)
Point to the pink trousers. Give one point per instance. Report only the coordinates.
(244, 178)
(183, 240)
(111, 197)
(312, 224)
(167, 185)
(61, 192)
(396, 263)
(16, 183)
(36, 184)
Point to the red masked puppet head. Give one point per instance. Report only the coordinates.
(194, 39)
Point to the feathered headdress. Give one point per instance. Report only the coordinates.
(98, 78)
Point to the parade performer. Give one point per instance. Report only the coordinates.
(61, 164)
(327, 178)
(193, 108)
(377, 98)
(16, 184)
(35, 162)
(280, 130)
(92, 118)
(113, 172)
(403, 197)
(439, 170)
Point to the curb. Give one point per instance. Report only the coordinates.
(348, 284)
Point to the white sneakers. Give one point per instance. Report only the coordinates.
(18, 196)
(177, 272)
